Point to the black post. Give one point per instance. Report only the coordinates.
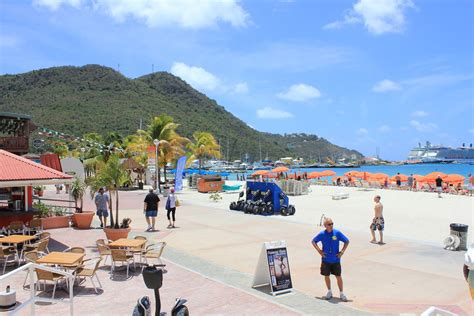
(157, 302)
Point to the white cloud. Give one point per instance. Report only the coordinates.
(419, 114)
(193, 14)
(384, 128)
(385, 86)
(423, 127)
(241, 88)
(272, 113)
(197, 77)
(300, 93)
(378, 16)
(361, 132)
(53, 5)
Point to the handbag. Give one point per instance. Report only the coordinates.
(177, 203)
(167, 204)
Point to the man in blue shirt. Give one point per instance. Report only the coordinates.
(331, 256)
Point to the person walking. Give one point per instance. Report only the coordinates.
(398, 180)
(101, 201)
(331, 256)
(439, 185)
(410, 182)
(470, 184)
(171, 208)
(378, 223)
(151, 209)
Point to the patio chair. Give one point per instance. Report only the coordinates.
(75, 250)
(154, 251)
(122, 256)
(41, 246)
(35, 226)
(104, 250)
(16, 227)
(139, 250)
(31, 256)
(7, 252)
(44, 276)
(89, 270)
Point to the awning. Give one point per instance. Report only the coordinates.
(19, 171)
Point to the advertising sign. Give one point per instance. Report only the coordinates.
(178, 182)
(273, 268)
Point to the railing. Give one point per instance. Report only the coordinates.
(33, 298)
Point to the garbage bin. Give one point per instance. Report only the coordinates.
(460, 230)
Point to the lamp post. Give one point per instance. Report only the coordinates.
(157, 181)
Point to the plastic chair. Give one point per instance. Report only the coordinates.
(35, 226)
(139, 250)
(6, 253)
(84, 272)
(31, 256)
(104, 250)
(122, 256)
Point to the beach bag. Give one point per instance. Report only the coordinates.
(177, 203)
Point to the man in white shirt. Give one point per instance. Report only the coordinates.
(171, 208)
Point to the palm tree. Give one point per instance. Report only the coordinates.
(204, 146)
(136, 146)
(78, 188)
(112, 176)
(163, 129)
(171, 150)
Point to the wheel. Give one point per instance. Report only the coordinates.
(233, 206)
(284, 211)
(255, 209)
(291, 210)
(239, 206)
(262, 210)
(247, 208)
(269, 209)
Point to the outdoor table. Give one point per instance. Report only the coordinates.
(16, 239)
(61, 258)
(127, 243)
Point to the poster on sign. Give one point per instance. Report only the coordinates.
(273, 268)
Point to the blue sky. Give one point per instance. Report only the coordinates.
(360, 73)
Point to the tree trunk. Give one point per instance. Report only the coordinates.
(116, 207)
(164, 170)
(111, 210)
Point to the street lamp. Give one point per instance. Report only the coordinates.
(157, 181)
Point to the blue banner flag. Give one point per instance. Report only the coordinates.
(178, 182)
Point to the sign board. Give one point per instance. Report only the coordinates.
(38, 143)
(178, 182)
(273, 268)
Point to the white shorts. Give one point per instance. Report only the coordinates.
(439, 189)
(469, 186)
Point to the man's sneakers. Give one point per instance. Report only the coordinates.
(149, 229)
(343, 297)
(328, 295)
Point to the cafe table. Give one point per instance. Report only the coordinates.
(61, 258)
(16, 240)
(127, 243)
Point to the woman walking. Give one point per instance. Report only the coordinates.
(171, 208)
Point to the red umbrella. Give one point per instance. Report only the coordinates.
(327, 173)
(281, 169)
(260, 173)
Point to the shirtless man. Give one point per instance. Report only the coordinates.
(378, 221)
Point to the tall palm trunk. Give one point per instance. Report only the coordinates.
(111, 209)
(116, 207)
(164, 170)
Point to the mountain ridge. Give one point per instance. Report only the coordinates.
(94, 98)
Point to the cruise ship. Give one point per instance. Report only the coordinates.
(441, 154)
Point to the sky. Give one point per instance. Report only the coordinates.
(371, 75)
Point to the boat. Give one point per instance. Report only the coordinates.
(441, 154)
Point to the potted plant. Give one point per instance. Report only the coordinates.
(52, 217)
(38, 190)
(216, 197)
(80, 218)
(112, 176)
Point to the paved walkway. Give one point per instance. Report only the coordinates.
(400, 277)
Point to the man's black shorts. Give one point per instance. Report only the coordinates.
(331, 268)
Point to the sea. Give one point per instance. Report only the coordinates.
(422, 169)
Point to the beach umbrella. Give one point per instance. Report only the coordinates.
(403, 178)
(431, 177)
(260, 173)
(281, 169)
(327, 173)
(379, 176)
(454, 178)
(270, 175)
(351, 173)
(314, 175)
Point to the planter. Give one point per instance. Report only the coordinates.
(55, 222)
(83, 220)
(114, 234)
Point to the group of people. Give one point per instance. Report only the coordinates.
(331, 254)
(150, 208)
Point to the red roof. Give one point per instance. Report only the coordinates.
(16, 168)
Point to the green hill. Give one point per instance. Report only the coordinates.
(92, 98)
